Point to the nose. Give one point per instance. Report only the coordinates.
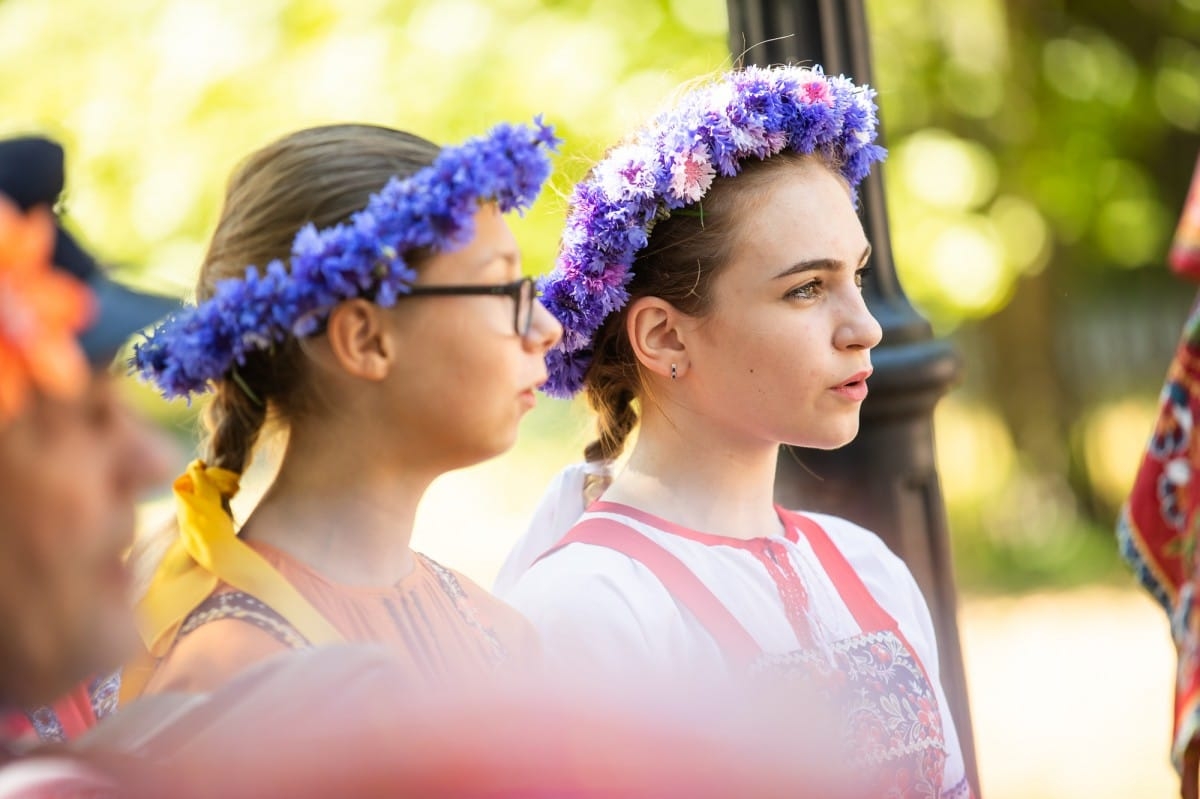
(858, 329)
(544, 331)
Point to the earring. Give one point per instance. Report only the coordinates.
(674, 372)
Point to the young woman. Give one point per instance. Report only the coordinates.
(709, 286)
(388, 330)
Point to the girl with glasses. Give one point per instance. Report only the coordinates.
(363, 294)
(709, 286)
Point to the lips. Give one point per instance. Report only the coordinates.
(528, 397)
(854, 389)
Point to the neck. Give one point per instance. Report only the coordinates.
(342, 505)
(687, 472)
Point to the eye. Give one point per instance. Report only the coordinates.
(101, 409)
(808, 291)
(861, 275)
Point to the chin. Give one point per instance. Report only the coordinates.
(828, 439)
(483, 449)
(505, 440)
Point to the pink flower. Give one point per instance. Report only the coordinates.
(815, 89)
(691, 175)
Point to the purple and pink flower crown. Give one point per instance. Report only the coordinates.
(671, 163)
(362, 257)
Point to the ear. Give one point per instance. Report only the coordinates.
(359, 340)
(656, 332)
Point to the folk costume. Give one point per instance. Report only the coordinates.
(1157, 529)
(625, 591)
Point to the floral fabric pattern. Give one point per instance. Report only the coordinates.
(893, 725)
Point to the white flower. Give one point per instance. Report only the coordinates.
(720, 97)
(628, 172)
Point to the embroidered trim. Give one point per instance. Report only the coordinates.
(1132, 550)
(617, 510)
(244, 607)
(104, 693)
(960, 790)
(497, 653)
(46, 724)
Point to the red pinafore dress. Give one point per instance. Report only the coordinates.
(891, 722)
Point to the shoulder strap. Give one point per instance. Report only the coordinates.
(243, 607)
(681, 583)
(207, 553)
(868, 613)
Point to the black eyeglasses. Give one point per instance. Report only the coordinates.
(523, 293)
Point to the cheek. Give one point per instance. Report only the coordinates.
(39, 506)
(464, 366)
(465, 383)
(76, 517)
(50, 551)
(771, 354)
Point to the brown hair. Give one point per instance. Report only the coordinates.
(320, 175)
(684, 255)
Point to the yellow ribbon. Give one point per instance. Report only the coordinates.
(207, 553)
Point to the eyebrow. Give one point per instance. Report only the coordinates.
(820, 264)
(510, 257)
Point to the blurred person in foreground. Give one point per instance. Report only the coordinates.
(74, 459)
(1159, 527)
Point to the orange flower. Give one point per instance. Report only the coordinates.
(41, 311)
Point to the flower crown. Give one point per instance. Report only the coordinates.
(671, 163)
(42, 308)
(362, 257)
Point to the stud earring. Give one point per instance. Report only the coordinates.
(674, 372)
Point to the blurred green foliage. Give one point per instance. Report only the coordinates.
(1040, 153)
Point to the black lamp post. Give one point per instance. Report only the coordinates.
(886, 480)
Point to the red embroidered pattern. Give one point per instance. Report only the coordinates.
(774, 557)
(892, 732)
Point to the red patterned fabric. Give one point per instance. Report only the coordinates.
(875, 682)
(68, 717)
(1158, 527)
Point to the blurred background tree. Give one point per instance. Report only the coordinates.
(1040, 154)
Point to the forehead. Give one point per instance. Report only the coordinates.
(799, 212)
(492, 249)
